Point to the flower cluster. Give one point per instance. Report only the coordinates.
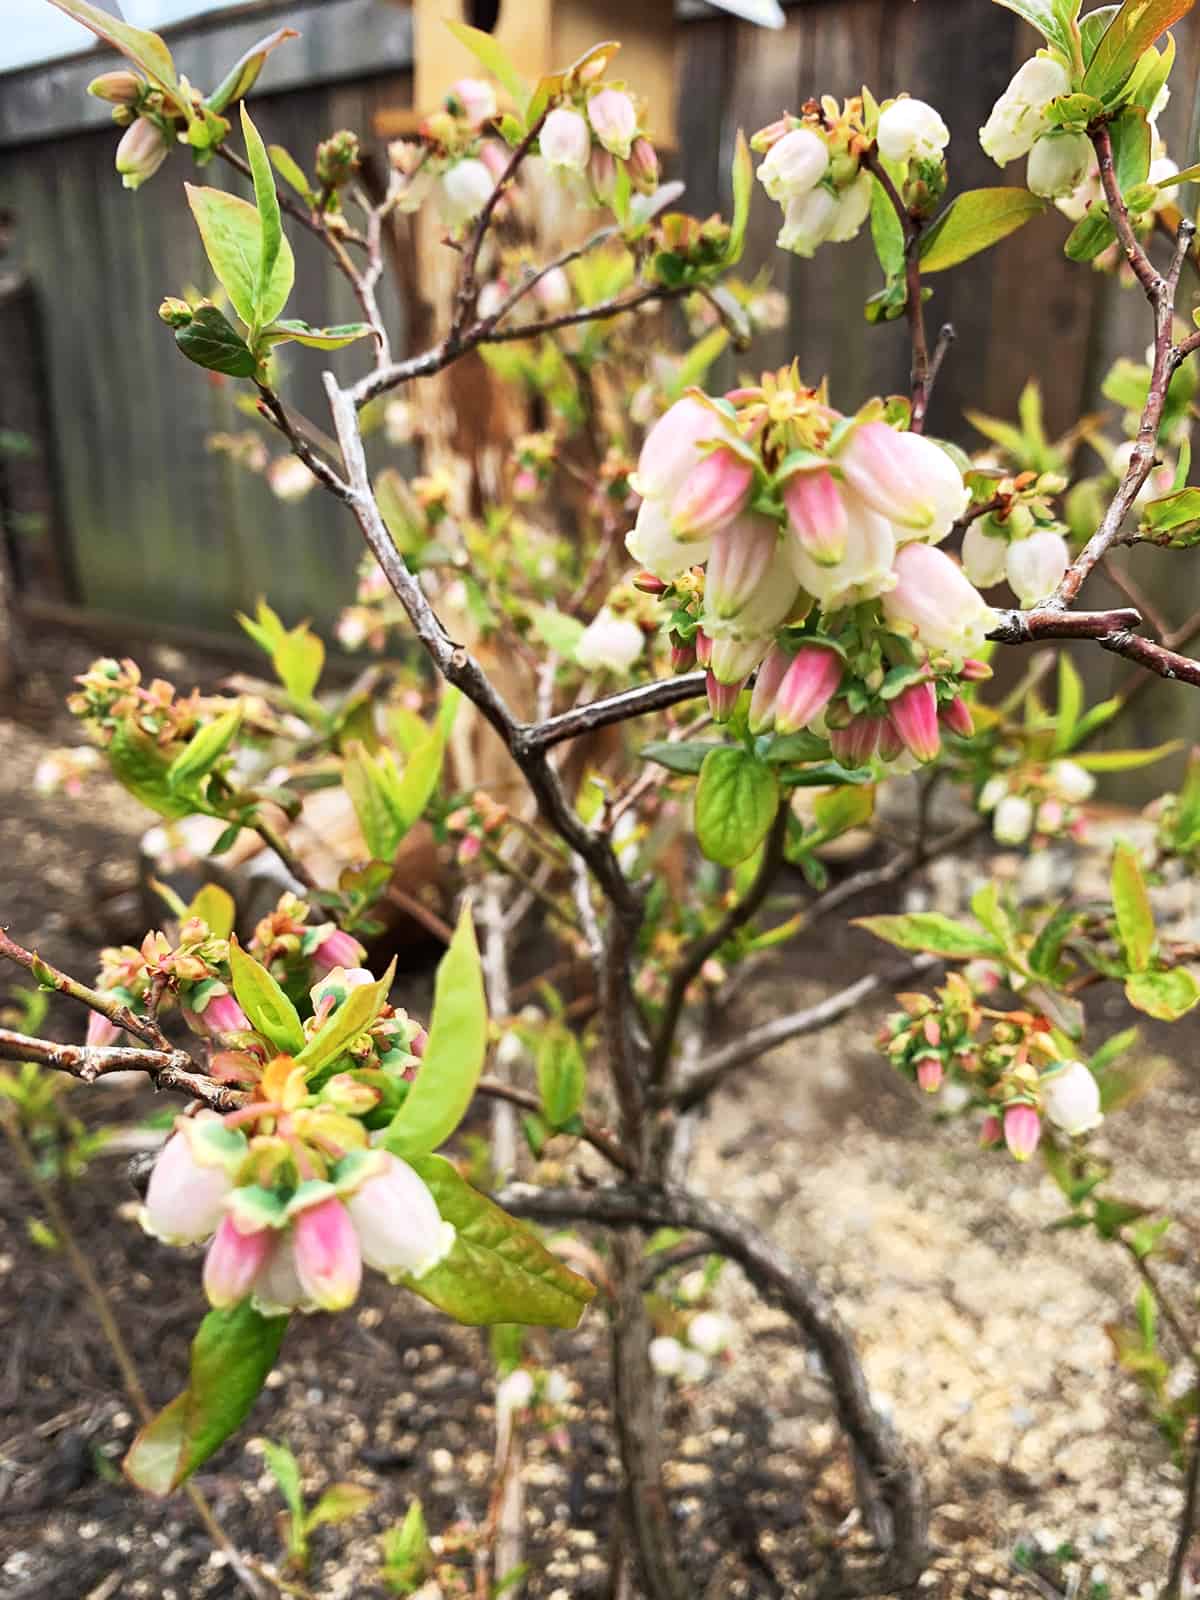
(150, 120)
(816, 533)
(111, 693)
(1020, 124)
(290, 1189)
(595, 132)
(1041, 801)
(476, 827)
(1017, 1074)
(704, 1338)
(452, 162)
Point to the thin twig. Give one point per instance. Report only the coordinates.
(168, 1069)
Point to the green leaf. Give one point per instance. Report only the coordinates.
(684, 756)
(264, 1002)
(1050, 18)
(1176, 514)
(366, 781)
(736, 801)
(497, 1271)
(232, 237)
(931, 931)
(212, 341)
(973, 221)
(243, 75)
(355, 1014)
(743, 186)
(264, 627)
(562, 1076)
(298, 659)
(1131, 32)
(299, 332)
(887, 231)
(823, 775)
(987, 909)
(285, 1469)
(271, 289)
(492, 56)
(290, 171)
(445, 1082)
(556, 629)
(838, 810)
(1130, 133)
(205, 748)
(339, 1503)
(145, 49)
(1070, 703)
(138, 763)
(1053, 934)
(1165, 995)
(1131, 903)
(214, 906)
(231, 1355)
(407, 1559)
(1127, 760)
(1093, 28)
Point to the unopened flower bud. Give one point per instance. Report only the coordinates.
(933, 596)
(983, 555)
(683, 654)
(464, 191)
(990, 1132)
(1019, 117)
(118, 88)
(704, 648)
(474, 99)
(722, 697)
(910, 129)
(1058, 164)
(142, 150)
(794, 165)
(327, 1255)
(973, 671)
(337, 159)
(1022, 1131)
(613, 117)
(906, 478)
(816, 516)
(1035, 565)
(100, 1031)
(930, 1073)
(643, 166)
(766, 686)
(709, 1332)
(1071, 1098)
(1012, 821)
(565, 140)
(175, 313)
(602, 175)
(234, 1260)
(956, 714)
(1071, 781)
(858, 742)
(666, 1356)
(914, 716)
(810, 683)
(713, 493)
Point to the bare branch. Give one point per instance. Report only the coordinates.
(108, 1005)
(170, 1069)
(638, 702)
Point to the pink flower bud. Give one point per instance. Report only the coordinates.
(704, 647)
(602, 175)
(338, 949)
(766, 687)
(566, 140)
(100, 1031)
(974, 671)
(141, 152)
(930, 1073)
(221, 1015)
(816, 516)
(683, 654)
(1035, 565)
(327, 1255)
(614, 120)
(890, 743)
(742, 556)
(865, 567)
(722, 697)
(672, 447)
(475, 98)
(185, 1199)
(397, 1222)
(1022, 1130)
(643, 166)
(914, 716)
(808, 686)
(935, 599)
(419, 1041)
(857, 743)
(553, 291)
(234, 1261)
(905, 477)
(990, 1132)
(956, 714)
(118, 88)
(714, 492)
(649, 584)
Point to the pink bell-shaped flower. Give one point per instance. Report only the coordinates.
(613, 117)
(1022, 1131)
(397, 1221)
(865, 567)
(770, 675)
(327, 1255)
(816, 516)
(712, 494)
(672, 447)
(234, 1261)
(906, 478)
(338, 949)
(914, 715)
(808, 686)
(933, 596)
(185, 1199)
(566, 140)
(857, 743)
(740, 563)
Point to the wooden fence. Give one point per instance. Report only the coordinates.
(126, 536)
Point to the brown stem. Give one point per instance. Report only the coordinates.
(169, 1069)
(737, 916)
(1187, 1527)
(781, 1281)
(107, 1005)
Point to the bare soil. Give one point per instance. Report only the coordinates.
(982, 1334)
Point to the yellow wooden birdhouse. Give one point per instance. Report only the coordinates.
(545, 36)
